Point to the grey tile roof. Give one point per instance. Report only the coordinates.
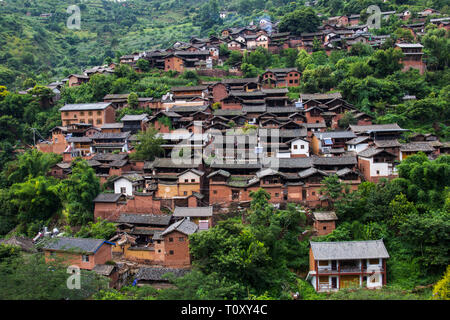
(168, 163)
(224, 173)
(357, 140)
(226, 112)
(150, 219)
(335, 135)
(193, 212)
(343, 160)
(387, 143)
(325, 216)
(192, 88)
(108, 197)
(156, 274)
(83, 245)
(417, 146)
(375, 128)
(370, 152)
(348, 250)
(79, 139)
(311, 171)
(109, 157)
(115, 125)
(134, 117)
(184, 226)
(320, 96)
(300, 163)
(85, 106)
(103, 269)
(293, 133)
(179, 109)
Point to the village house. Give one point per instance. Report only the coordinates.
(324, 222)
(376, 163)
(412, 56)
(156, 276)
(287, 77)
(202, 216)
(83, 252)
(95, 114)
(75, 80)
(172, 245)
(330, 143)
(346, 264)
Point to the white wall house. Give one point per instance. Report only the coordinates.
(128, 184)
(346, 264)
(299, 147)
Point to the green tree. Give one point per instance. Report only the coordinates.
(299, 21)
(78, 193)
(148, 146)
(133, 101)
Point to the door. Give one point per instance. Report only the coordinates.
(334, 283)
(333, 265)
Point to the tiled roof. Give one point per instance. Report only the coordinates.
(335, 135)
(320, 96)
(193, 212)
(85, 106)
(108, 197)
(349, 250)
(417, 146)
(103, 269)
(134, 117)
(157, 274)
(375, 128)
(325, 216)
(84, 245)
(150, 219)
(184, 226)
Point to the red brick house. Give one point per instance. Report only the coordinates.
(83, 252)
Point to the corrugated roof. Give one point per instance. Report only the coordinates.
(349, 250)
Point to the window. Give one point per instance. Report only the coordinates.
(323, 263)
(90, 113)
(373, 261)
(66, 114)
(85, 258)
(99, 121)
(295, 147)
(378, 172)
(75, 116)
(123, 190)
(302, 147)
(235, 194)
(185, 193)
(181, 239)
(170, 239)
(192, 180)
(159, 250)
(99, 113)
(214, 191)
(91, 121)
(277, 194)
(324, 228)
(171, 252)
(186, 180)
(313, 193)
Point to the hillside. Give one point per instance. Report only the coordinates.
(32, 45)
